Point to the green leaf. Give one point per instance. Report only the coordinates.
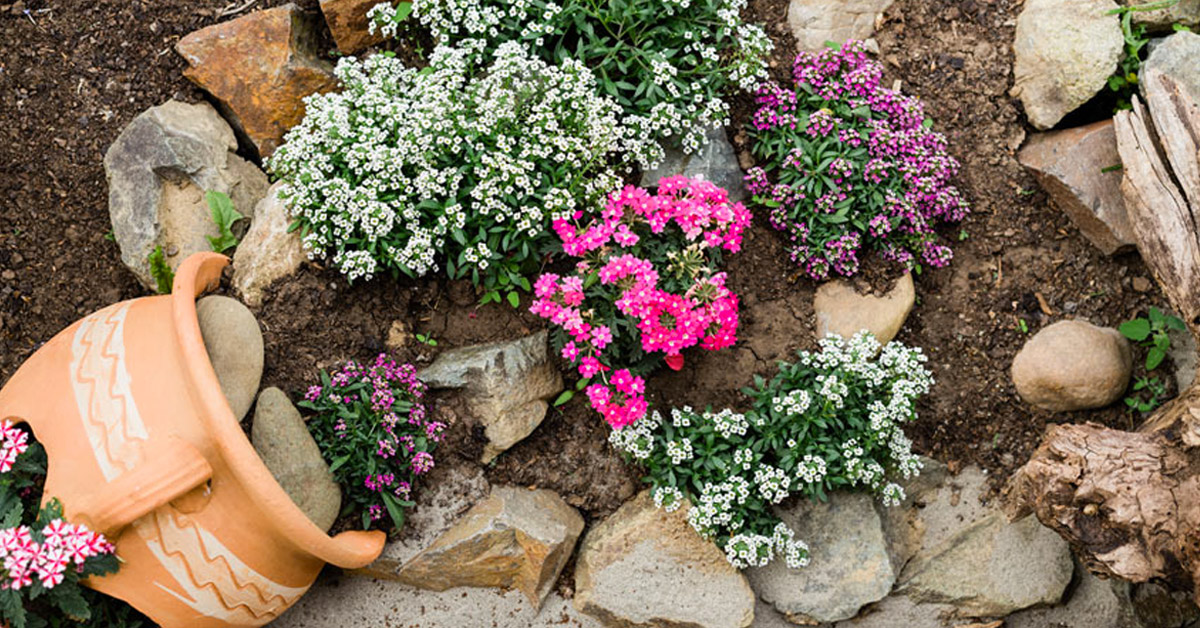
(403, 10)
(1137, 329)
(514, 300)
(564, 397)
(70, 601)
(164, 277)
(223, 215)
(1154, 358)
(395, 511)
(338, 462)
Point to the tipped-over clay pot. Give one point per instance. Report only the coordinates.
(143, 447)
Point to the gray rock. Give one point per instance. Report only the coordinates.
(507, 385)
(268, 252)
(715, 162)
(1176, 56)
(815, 22)
(289, 451)
(991, 568)
(235, 349)
(1094, 603)
(1064, 53)
(1073, 365)
(516, 538)
(644, 567)
(852, 563)
(1071, 166)
(158, 170)
(1186, 12)
(842, 310)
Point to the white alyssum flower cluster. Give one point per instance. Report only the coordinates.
(403, 169)
(832, 420)
(672, 65)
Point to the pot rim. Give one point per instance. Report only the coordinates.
(198, 274)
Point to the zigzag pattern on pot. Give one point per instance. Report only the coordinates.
(215, 582)
(101, 381)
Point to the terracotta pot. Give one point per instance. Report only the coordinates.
(143, 446)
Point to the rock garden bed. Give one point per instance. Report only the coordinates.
(123, 119)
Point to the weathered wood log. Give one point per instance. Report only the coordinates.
(1129, 502)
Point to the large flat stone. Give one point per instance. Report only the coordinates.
(347, 20)
(1076, 167)
(285, 445)
(991, 568)
(644, 568)
(1176, 56)
(841, 310)
(260, 67)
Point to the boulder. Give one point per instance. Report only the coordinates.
(842, 310)
(1185, 12)
(815, 22)
(1064, 53)
(852, 564)
(259, 67)
(991, 568)
(1073, 365)
(1079, 168)
(645, 567)
(516, 538)
(1176, 56)
(158, 171)
(235, 349)
(268, 251)
(289, 451)
(347, 20)
(715, 162)
(507, 385)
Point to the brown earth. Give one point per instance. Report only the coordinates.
(74, 72)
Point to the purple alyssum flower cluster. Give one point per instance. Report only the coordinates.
(846, 163)
(375, 433)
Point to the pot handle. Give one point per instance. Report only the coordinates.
(170, 469)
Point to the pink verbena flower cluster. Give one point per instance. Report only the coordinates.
(646, 284)
(63, 546)
(847, 163)
(13, 442)
(375, 432)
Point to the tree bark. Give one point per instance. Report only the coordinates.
(1129, 502)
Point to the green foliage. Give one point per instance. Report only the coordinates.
(1152, 333)
(427, 339)
(1124, 80)
(1148, 394)
(829, 421)
(164, 277)
(223, 215)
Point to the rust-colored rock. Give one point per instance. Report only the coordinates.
(1079, 168)
(259, 68)
(347, 20)
(516, 538)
